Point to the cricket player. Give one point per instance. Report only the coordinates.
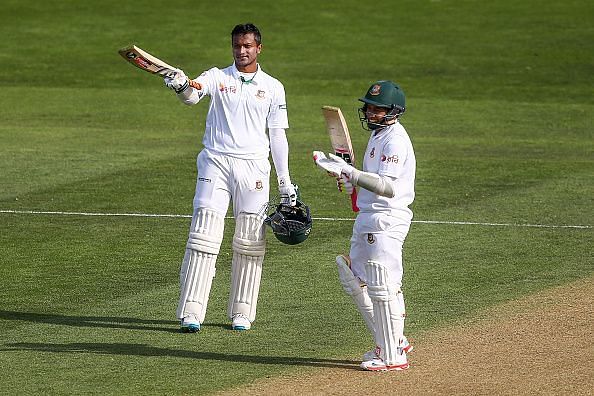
(245, 102)
(372, 274)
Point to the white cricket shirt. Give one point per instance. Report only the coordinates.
(240, 111)
(389, 153)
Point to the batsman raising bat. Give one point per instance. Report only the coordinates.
(245, 103)
(372, 273)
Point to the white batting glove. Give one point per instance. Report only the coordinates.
(179, 82)
(344, 184)
(288, 193)
(333, 165)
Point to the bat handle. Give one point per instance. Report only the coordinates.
(354, 201)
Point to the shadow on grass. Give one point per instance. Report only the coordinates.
(147, 350)
(113, 322)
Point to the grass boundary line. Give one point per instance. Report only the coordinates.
(444, 222)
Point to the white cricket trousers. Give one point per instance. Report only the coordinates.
(222, 178)
(380, 246)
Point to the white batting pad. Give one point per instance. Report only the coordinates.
(249, 246)
(357, 290)
(198, 268)
(388, 312)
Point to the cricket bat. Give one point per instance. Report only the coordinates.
(341, 141)
(147, 62)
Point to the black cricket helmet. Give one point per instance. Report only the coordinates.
(385, 94)
(290, 224)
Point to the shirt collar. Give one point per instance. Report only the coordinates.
(236, 74)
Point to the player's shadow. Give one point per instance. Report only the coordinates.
(152, 351)
(113, 322)
(169, 326)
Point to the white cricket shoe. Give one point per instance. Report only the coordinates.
(406, 348)
(190, 324)
(240, 322)
(378, 364)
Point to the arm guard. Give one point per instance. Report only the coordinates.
(381, 185)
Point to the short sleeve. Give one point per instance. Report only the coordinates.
(207, 80)
(278, 116)
(393, 156)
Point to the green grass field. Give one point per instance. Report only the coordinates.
(499, 108)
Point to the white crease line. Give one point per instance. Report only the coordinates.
(91, 214)
(499, 224)
(315, 218)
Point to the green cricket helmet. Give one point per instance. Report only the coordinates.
(385, 94)
(290, 224)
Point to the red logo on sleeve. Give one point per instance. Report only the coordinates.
(391, 159)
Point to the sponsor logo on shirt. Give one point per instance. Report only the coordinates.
(391, 159)
(224, 88)
(282, 106)
(372, 153)
(204, 179)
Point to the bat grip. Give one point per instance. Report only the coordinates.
(354, 201)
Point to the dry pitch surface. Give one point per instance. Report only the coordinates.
(542, 344)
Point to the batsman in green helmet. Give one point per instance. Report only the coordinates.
(372, 273)
(382, 105)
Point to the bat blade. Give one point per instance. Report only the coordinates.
(147, 62)
(339, 133)
(341, 141)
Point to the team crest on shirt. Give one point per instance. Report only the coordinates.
(372, 153)
(370, 239)
(261, 94)
(259, 185)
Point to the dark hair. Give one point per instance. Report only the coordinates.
(246, 29)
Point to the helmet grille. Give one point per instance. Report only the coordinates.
(293, 225)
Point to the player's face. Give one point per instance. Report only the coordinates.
(375, 114)
(245, 52)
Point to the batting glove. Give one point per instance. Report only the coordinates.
(333, 165)
(179, 82)
(288, 191)
(344, 184)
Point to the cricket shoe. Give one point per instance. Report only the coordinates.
(190, 324)
(240, 322)
(378, 364)
(406, 348)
